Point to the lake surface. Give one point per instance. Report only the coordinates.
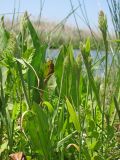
(53, 53)
(96, 56)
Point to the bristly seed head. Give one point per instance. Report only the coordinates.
(102, 20)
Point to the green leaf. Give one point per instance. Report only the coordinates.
(35, 124)
(116, 40)
(3, 147)
(48, 105)
(117, 107)
(59, 65)
(29, 39)
(91, 125)
(65, 140)
(15, 111)
(95, 145)
(84, 51)
(73, 115)
(51, 83)
(67, 72)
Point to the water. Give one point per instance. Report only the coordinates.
(96, 57)
(53, 54)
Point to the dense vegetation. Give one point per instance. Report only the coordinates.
(57, 34)
(66, 108)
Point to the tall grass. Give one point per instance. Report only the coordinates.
(114, 7)
(58, 109)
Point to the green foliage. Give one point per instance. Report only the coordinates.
(69, 113)
(85, 51)
(67, 72)
(35, 126)
(73, 115)
(29, 40)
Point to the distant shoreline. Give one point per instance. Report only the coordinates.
(56, 34)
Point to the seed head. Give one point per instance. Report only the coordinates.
(79, 60)
(102, 20)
